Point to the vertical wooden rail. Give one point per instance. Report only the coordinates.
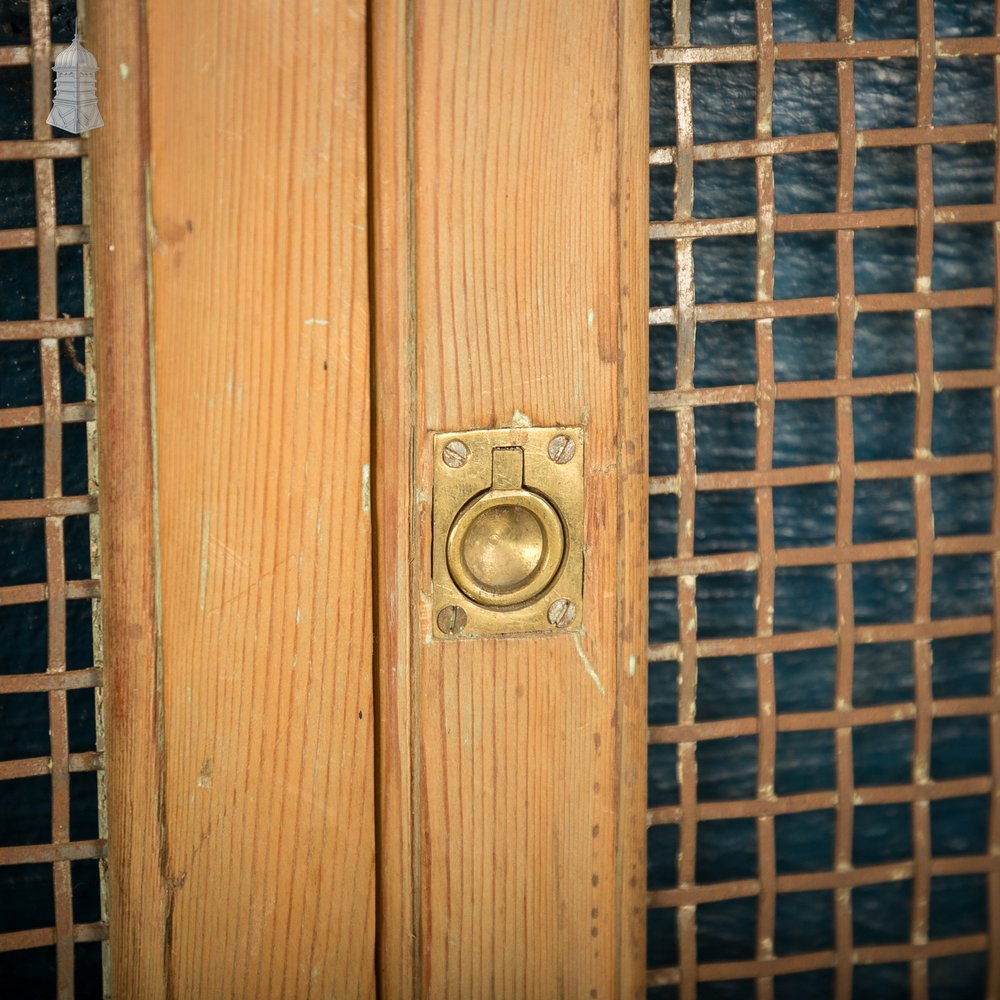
(633, 504)
(391, 145)
(260, 290)
(137, 893)
(241, 752)
(509, 214)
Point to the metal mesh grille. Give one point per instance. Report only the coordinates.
(62, 864)
(683, 581)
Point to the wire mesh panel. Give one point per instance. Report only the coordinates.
(824, 817)
(51, 846)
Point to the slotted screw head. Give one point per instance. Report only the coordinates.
(562, 613)
(455, 454)
(561, 449)
(452, 619)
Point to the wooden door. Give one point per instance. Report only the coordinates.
(323, 232)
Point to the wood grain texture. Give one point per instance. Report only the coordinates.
(518, 218)
(260, 292)
(137, 902)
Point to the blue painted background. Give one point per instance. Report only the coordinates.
(804, 102)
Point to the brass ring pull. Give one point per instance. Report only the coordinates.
(505, 547)
(508, 529)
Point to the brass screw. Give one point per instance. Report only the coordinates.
(561, 449)
(455, 454)
(562, 613)
(452, 619)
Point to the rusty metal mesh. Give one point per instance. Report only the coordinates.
(692, 653)
(53, 335)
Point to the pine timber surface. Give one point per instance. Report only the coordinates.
(137, 894)
(509, 284)
(258, 249)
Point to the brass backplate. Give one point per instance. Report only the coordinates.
(480, 470)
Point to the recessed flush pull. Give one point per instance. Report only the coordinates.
(508, 509)
(506, 545)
